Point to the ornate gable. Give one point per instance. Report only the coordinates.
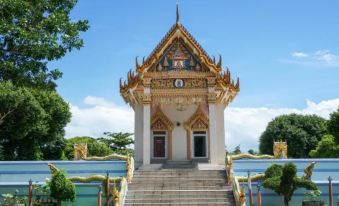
(178, 56)
(198, 120)
(178, 71)
(159, 121)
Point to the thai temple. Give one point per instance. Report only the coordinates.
(179, 94)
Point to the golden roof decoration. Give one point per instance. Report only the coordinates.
(178, 55)
(160, 117)
(198, 117)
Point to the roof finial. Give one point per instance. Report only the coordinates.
(177, 20)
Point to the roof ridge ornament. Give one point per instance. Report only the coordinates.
(178, 16)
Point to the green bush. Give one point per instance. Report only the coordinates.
(326, 148)
(333, 125)
(284, 181)
(62, 189)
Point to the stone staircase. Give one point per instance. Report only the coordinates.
(179, 187)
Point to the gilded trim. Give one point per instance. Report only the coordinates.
(160, 122)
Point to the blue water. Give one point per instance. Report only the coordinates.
(16, 174)
(322, 170)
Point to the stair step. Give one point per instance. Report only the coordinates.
(186, 203)
(179, 187)
(176, 200)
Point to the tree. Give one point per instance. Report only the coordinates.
(236, 150)
(302, 133)
(327, 148)
(252, 152)
(118, 142)
(62, 189)
(284, 181)
(94, 147)
(33, 33)
(333, 125)
(37, 119)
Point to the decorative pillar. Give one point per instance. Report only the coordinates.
(138, 132)
(147, 135)
(330, 191)
(213, 139)
(213, 134)
(147, 122)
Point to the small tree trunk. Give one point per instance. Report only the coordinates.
(286, 201)
(59, 202)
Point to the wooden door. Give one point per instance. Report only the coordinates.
(159, 146)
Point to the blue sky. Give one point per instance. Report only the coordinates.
(285, 52)
(256, 39)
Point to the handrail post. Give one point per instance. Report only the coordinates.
(99, 195)
(330, 192)
(259, 193)
(30, 192)
(107, 189)
(249, 186)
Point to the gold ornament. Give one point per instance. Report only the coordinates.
(280, 149)
(80, 151)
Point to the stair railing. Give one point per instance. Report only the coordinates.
(239, 193)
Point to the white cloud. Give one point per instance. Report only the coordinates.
(299, 54)
(320, 58)
(326, 56)
(101, 116)
(243, 125)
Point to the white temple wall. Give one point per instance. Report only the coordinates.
(179, 136)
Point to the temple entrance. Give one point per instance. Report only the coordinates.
(199, 144)
(159, 144)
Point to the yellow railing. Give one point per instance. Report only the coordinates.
(129, 163)
(239, 193)
(118, 198)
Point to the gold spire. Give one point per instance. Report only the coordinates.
(177, 20)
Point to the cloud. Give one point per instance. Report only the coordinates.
(326, 56)
(101, 116)
(320, 58)
(243, 125)
(299, 54)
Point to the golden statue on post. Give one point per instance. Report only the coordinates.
(280, 149)
(80, 151)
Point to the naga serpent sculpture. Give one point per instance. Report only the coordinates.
(250, 156)
(108, 157)
(309, 170)
(91, 178)
(230, 158)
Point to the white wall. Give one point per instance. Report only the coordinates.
(179, 136)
